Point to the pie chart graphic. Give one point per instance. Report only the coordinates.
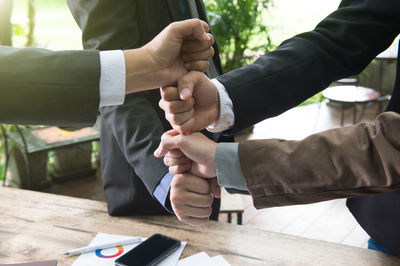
(119, 250)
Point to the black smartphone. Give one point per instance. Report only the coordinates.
(149, 252)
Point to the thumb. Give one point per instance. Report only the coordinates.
(187, 29)
(187, 84)
(169, 141)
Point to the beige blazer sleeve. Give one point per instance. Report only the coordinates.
(339, 163)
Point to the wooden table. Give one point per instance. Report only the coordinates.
(39, 226)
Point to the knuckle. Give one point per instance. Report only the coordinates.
(169, 107)
(169, 117)
(180, 140)
(161, 104)
(210, 201)
(178, 180)
(212, 40)
(174, 198)
(167, 161)
(176, 119)
(209, 211)
(179, 128)
(185, 79)
(172, 170)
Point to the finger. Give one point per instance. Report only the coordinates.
(175, 153)
(164, 138)
(188, 182)
(179, 119)
(201, 65)
(189, 28)
(167, 144)
(185, 128)
(196, 46)
(200, 31)
(176, 107)
(168, 161)
(193, 221)
(179, 169)
(188, 82)
(215, 188)
(189, 211)
(170, 94)
(197, 184)
(195, 56)
(170, 133)
(190, 199)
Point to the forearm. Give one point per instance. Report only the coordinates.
(39, 86)
(339, 163)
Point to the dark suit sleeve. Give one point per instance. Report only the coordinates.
(341, 45)
(39, 86)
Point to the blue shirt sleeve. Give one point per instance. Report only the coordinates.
(161, 191)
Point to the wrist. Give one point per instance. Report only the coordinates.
(225, 113)
(216, 110)
(213, 157)
(139, 70)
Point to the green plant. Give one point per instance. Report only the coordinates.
(26, 32)
(317, 98)
(3, 149)
(239, 30)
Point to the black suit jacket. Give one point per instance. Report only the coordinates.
(131, 132)
(341, 45)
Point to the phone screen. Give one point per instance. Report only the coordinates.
(150, 251)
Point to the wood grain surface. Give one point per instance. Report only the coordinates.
(38, 226)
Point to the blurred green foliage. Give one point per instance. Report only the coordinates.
(239, 30)
(317, 98)
(26, 31)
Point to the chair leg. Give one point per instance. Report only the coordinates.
(239, 218)
(229, 217)
(342, 114)
(354, 114)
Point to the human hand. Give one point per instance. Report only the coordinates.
(180, 47)
(191, 199)
(193, 105)
(195, 153)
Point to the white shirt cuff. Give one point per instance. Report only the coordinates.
(226, 115)
(112, 78)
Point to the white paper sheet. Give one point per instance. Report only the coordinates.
(220, 261)
(90, 259)
(199, 259)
